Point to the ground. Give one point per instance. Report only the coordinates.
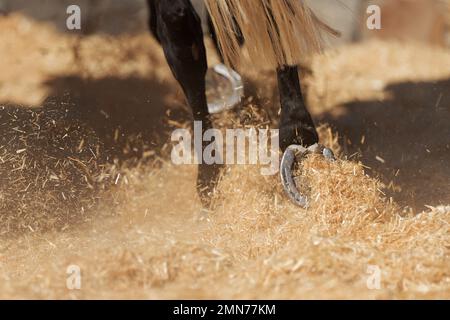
(86, 177)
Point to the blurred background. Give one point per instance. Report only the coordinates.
(422, 20)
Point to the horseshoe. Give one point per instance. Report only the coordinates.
(297, 153)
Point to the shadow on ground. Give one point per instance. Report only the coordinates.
(56, 160)
(404, 139)
(130, 116)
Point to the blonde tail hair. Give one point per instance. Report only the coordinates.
(276, 32)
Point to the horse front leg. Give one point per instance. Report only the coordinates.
(179, 30)
(298, 135)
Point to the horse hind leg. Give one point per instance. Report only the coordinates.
(298, 136)
(179, 30)
(296, 124)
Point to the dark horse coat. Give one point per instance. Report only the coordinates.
(278, 32)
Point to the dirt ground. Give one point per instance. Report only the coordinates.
(86, 177)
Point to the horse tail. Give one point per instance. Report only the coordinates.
(276, 32)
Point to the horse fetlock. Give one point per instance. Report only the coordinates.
(297, 134)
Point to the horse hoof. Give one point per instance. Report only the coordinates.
(296, 153)
(224, 88)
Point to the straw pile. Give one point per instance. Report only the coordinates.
(133, 223)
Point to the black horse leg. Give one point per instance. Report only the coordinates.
(153, 18)
(179, 30)
(296, 124)
(298, 135)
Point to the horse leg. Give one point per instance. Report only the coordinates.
(153, 18)
(178, 27)
(296, 124)
(298, 135)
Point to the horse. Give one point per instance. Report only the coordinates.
(279, 32)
